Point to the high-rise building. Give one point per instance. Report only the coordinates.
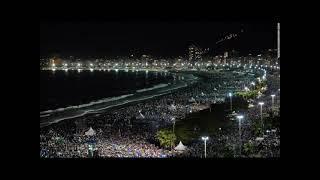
(198, 55)
(191, 52)
(194, 53)
(225, 56)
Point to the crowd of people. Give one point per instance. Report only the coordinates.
(129, 131)
(231, 142)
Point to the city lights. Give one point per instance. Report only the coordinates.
(136, 95)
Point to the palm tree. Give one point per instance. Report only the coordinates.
(166, 138)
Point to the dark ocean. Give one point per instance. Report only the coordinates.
(61, 89)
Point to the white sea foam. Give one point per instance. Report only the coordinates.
(44, 115)
(45, 112)
(88, 104)
(96, 110)
(125, 102)
(61, 119)
(103, 100)
(112, 98)
(152, 88)
(90, 111)
(178, 87)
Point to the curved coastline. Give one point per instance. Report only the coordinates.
(53, 116)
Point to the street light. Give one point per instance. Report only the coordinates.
(261, 104)
(174, 123)
(230, 95)
(240, 117)
(272, 96)
(90, 150)
(205, 138)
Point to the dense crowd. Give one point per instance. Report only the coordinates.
(230, 143)
(129, 131)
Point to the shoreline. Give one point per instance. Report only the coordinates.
(215, 147)
(54, 116)
(105, 99)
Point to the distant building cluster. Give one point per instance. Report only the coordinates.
(196, 59)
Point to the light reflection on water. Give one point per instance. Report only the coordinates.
(75, 87)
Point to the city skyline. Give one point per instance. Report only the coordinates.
(159, 88)
(158, 38)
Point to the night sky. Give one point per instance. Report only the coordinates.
(158, 38)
